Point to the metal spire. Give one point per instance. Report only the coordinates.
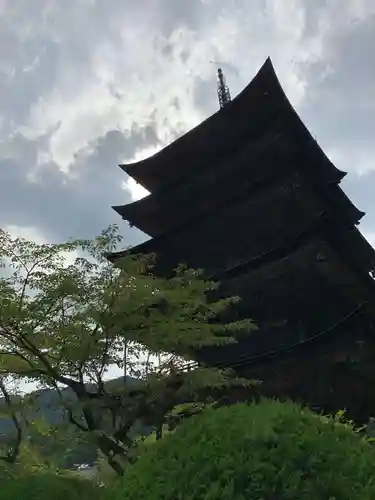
(222, 90)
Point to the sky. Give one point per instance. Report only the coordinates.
(88, 84)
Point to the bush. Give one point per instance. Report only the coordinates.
(267, 451)
(47, 486)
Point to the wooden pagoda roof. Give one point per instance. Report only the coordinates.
(255, 167)
(244, 118)
(222, 237)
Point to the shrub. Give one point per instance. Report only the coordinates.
(47, 486)
(272, 450)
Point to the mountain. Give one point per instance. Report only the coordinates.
(46, 407)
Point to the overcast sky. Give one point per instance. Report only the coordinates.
(87, 84)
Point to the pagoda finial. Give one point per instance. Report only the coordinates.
(222, 89)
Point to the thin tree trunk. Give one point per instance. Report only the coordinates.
(159, 432)
(125, 359)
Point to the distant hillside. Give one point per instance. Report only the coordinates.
(46, 406)
(47, 403)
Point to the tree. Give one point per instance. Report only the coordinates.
(11, 408)
(66, 312)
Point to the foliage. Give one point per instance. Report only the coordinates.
(43, 485)
(271, 450)
(67, 315)
(7, 471)
(59, 445)
(31, 478)
(47, 436)
(104, 473)
(11, 408)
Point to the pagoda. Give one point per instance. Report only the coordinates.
(250, 197)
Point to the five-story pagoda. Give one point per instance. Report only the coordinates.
(249, 196)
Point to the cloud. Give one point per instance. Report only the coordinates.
(342, 96)
(28, 233)
(371, 238)
(87, 85)
(63, 205)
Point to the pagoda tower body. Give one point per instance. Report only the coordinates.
(249, 196)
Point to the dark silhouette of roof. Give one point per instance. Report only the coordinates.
(243, 119)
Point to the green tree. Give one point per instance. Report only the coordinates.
(66, 314)
(33, 425)
(10, 409)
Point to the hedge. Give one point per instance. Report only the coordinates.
(265, 451)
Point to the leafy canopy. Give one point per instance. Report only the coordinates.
(67, 316)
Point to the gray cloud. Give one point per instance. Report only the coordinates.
(86, 85)
(192, 15)
(361, 190)
(64, 206)
(341, 91)
(340, 108)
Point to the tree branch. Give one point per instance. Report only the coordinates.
(12, 454)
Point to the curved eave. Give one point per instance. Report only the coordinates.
(202, 141)
(144, 248)
(140, 214)
(155, 215)
(256, 104)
